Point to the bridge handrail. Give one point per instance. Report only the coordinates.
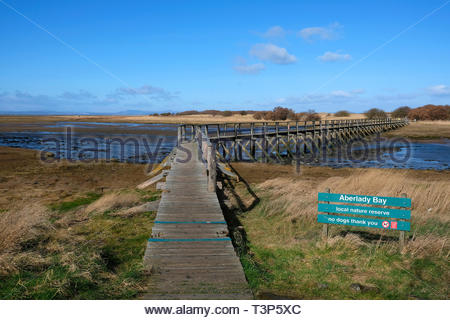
(223, 129)
(207, 154)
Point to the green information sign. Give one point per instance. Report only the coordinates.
(365, 211)
(364, 222)
(370, 200)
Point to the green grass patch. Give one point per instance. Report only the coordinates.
(69, 205)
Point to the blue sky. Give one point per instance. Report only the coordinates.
(154, 56)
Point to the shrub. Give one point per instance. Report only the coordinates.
(243, 113)
(154, 115)
(212, 112)
(227, 113)
(311, 115)
(401, 112)
(280, 113)
(375, 113)
(269, 115)
(430, 112)
(165, 114)
(342, 113)
(258, 115)
(188, 113)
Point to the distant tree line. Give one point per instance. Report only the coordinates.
(280, 113)
(214, 113)
(430, 112)
(426, 112)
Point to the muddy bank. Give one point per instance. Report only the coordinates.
(23, 177)
(87, 127)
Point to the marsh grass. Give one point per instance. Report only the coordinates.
(423, 130)
(50, 253)
(287, 257)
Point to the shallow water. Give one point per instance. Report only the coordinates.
(139, 148)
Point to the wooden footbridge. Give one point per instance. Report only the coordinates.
(278, 141)
(190, 254)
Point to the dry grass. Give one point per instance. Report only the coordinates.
(423, 130)
(287, 256)
(114, 201)
(201, 118)
(431, 199)
(331, 116)
(21, 225)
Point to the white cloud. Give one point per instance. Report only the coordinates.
(341, 93)
(145, 90)
(346, 94)
(329, 98)
(324, 33)
(439, 90)
(272, 53)
(334, 56)
(80, 95)
(274, 32)
(249, 69)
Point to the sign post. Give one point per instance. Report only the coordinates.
(401, 238)
(325, 226)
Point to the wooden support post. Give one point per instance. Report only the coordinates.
(239, 146)
(179, 137)
(277, 142)
(252, 140)
(224, 149)
(297, 154)
(265, 145)
(183, 133)
(401, 238)
(325, 225)
(211, 168)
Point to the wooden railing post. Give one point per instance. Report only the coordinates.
(179, 136)
(211, 156)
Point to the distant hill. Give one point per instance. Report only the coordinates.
(56, 113)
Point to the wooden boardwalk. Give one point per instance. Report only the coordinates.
(189, 252)
(272, 141)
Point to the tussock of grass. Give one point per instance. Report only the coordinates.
(288, 258)
(22, 226)
(115, 200)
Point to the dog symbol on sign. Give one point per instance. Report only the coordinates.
(394, 225)
(385, 224)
